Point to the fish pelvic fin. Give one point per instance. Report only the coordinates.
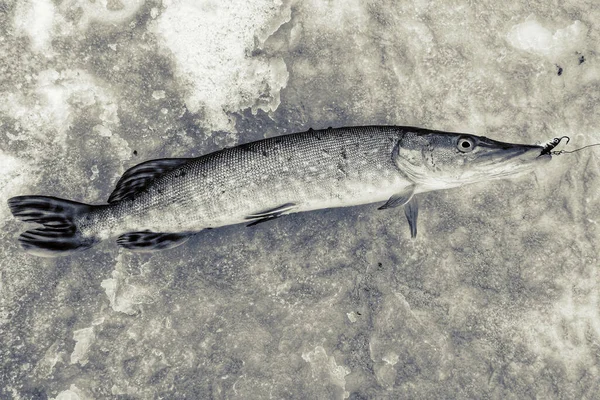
(147, 241)
(59, 235)
(267, 215)
(139, 176)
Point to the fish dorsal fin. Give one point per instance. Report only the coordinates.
(138, 176)
(399, 199)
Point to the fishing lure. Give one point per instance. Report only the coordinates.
(548, 147)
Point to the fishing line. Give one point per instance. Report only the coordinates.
(556, 153)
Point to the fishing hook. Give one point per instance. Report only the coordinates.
(552, 144)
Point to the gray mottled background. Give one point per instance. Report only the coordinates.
(497, 298)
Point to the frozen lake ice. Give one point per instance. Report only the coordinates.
(498, 297)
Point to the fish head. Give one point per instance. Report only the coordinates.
(440, 160)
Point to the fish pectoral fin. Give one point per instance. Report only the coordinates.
(399, 199)
(411, 210)
(137, 177)
(152, 241)
(270, 214)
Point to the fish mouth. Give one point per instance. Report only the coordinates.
(531, 153)
(502, 151)
(507, 159)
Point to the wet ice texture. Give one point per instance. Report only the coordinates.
(497, 298)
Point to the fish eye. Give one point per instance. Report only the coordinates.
(465, 144)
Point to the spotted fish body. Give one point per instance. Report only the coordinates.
(310, 170)
(160, 203)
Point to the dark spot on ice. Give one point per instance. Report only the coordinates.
(325, 151)
(358, 313)
(135, 152)
(344, 154)
(158, 376)
(130, 366)
(560, 70)
(581, 59)
(264, 153)
(222, 191)
(256, 52)
(182, 174)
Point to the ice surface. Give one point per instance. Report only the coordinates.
(498, 297)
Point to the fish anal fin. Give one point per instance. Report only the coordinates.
(400, 198)
(269, 214)
(411, 210)
(147, 241)
(137, 177)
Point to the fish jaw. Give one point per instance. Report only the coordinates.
(509, 161)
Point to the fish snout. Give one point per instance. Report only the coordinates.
(530, 153)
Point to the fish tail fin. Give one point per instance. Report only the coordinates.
(59, 235)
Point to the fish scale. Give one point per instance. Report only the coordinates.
(315, 169)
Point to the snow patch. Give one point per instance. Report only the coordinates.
(83, 338)
(213, 44)
(533, 37)
(73, 393)
(124, 293)
(36, 20)
(158, 94)
(14, 174)
(102, 11)
(60, 97)
(325, 367)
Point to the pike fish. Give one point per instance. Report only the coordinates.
(159, 204)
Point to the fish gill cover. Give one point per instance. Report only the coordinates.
(496, 298)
